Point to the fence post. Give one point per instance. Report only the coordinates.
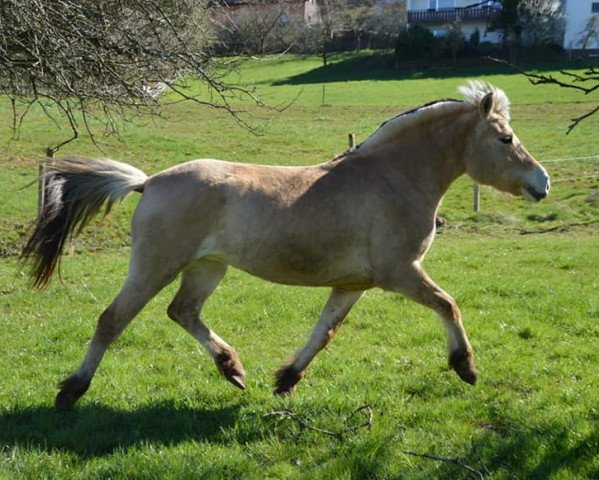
(41, 182)
(475, 198)
(352, 140)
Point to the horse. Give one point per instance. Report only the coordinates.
(365, 219)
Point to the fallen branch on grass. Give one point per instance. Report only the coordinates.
(451, 461)
(365, 410)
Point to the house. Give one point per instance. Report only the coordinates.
(582, 25)
(436, 15)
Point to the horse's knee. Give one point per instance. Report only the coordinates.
(447, 308)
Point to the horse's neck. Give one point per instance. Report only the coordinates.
(430, 156)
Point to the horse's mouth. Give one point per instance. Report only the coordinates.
(531, 194)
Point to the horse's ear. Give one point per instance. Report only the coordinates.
(485, 106)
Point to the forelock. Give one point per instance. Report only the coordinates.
(475, 90)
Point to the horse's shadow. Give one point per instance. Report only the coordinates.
(96, 430)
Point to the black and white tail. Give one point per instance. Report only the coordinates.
(76, 190)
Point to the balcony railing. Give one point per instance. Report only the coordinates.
(449, 15)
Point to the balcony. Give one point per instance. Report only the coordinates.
(449, 15)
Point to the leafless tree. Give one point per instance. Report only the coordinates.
(90, 62)
(454, 40)
(542, 21)
(590, 33)
(389, 19)
(360, 16)
(586, 83)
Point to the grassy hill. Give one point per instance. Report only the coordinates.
(525, 277)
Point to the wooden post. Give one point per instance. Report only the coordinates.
(475, 198)
(352, 140)
(41, 189)
(323, 95)
(41, 182)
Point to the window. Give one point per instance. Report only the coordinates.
(595, 7)
(441, 4)
(446, 4)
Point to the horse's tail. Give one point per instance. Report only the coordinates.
(75, 192)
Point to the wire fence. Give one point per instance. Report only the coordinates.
(579, 176)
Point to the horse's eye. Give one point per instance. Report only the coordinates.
(507, 140)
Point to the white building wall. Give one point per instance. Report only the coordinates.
(426, 4)
(485, 36)
(578, 13)
(468, 26)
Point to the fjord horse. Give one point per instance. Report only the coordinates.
(365, 219)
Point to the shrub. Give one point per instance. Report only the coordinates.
(474, 41)
(414, 43)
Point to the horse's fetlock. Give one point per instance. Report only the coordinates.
(71, 389)
(286, 379)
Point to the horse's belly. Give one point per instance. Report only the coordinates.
(303, 266)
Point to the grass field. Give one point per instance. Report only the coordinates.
(525, 277)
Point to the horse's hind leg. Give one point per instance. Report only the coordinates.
(139, 288)
(338, 305)
(198, 282)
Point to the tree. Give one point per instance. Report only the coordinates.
(454, 40)
(91, 61)
(474, 40)
(590, 32)
(389, 20)
(586, 82)
(415, 42)
(507, 23)
(360, 18)
(333, 17)
(541, 21)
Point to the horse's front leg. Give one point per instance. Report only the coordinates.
(414, 283)
(339, 304)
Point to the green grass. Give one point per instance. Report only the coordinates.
(157, 407)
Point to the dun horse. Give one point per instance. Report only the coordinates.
(365, 219)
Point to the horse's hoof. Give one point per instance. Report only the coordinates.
(286, 379)
(229, 365)
(237, 380)
(469, 376)
(463, 365)
(71, 390)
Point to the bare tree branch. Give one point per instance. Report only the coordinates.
(364, 410)
(100, 62)
(587, 83)
(451, 461)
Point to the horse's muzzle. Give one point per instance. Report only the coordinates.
(535, 195)
(537, 185)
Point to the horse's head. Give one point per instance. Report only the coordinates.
(496, 156)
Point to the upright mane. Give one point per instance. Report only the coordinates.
(474, 91)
